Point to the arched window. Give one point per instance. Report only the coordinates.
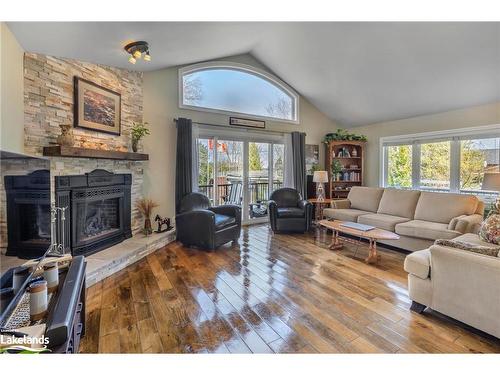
(233, 88)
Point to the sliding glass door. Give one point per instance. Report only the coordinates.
(241, 171)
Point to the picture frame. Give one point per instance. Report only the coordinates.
(247, 123)
(96, 108)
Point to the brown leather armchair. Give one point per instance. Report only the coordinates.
(198, 224)
(288, 212)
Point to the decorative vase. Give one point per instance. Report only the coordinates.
(135, 144)
(148, 228)
(66, 137)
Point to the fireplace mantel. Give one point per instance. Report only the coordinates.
(78, 152)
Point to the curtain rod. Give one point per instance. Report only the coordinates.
(239, 128)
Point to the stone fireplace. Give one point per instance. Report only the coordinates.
(98, 210)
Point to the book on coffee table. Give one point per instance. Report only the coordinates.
(358, 226)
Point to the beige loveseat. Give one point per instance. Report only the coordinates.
(418, 217)
(457, 283)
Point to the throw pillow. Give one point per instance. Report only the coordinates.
(475, 248)
(490, 229)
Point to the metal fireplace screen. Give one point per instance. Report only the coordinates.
(99, 205)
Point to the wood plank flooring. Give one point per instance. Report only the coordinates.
(270, 293)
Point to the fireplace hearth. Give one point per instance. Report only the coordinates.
(98, 208)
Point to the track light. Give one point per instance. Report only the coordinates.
(147, 56)
(131, 60)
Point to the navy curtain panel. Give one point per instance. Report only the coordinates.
(184, 160)
(299, 162)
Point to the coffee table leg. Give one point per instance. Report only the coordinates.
(373, 257)
(335, 244)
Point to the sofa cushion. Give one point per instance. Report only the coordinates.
(365, 198)
(426, 229)
(222, 221)
(418, 263)
(382, 221)
(344, 214)
(399, 202)
(290, 212)
(442, 207)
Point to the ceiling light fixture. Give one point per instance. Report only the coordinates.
(136, 49)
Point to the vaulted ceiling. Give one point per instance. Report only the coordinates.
(356, 73)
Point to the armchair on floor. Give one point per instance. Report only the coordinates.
(288, 212)
(200, 225)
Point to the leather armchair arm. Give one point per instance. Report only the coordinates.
(341, 204)
(308, 209)
(228, 210)
(273, 213)
(200, 223)
(303, 204)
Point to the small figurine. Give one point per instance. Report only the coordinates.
(161, 222)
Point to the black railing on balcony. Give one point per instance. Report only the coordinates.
(258, 191)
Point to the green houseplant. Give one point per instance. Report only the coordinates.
(139, 130)
(314, 168)
(344, 135)
(336, 170)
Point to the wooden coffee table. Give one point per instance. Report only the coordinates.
(371, 235)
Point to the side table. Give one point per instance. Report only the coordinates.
(319, 205)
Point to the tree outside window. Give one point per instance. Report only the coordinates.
(399, 166)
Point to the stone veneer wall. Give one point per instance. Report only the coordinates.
(48, 103)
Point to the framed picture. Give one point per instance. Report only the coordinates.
(312, 157)
(248, 123)
(96, 107)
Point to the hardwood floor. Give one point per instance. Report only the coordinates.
(269, 293)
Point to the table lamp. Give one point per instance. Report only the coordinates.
(320, 178)
(491, 182)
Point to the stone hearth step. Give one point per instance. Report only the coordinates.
(115, 258)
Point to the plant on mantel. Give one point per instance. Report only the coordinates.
(344, 135)
(139, 130)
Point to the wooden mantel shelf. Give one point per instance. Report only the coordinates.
(78, 152)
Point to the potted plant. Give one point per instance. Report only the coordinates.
(145, 207)
(336, 170)
(139, 130)
(314, 168)
(344, 135)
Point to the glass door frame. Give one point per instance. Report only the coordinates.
(247, 136)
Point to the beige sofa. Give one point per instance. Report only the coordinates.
(418, 217)
(457, 283)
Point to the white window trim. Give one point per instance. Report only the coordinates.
(213, 65)
(487, 131)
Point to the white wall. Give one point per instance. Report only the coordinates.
(161, 106)
(462, 118)
(12, 92)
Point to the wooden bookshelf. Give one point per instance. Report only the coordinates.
(350, 155)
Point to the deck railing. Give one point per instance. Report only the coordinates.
(258, 191)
